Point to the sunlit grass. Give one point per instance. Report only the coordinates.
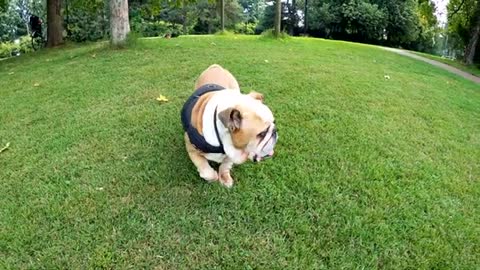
(377, 165)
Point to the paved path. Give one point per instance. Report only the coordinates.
(446, 67)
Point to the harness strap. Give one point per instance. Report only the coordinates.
(195, 137)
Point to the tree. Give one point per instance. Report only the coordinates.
(119, 22)
(252, 10)
(288, 22)
(55, 23)
(464, 22)
(305, 20)
(402, 21)
(471, 47)
(291, 24)
(222, 14)
(278, 17)
(3, 5)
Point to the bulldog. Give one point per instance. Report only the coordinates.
(225, 126)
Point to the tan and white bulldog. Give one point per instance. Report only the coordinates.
(223, 125)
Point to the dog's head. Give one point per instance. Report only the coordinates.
(252, 126)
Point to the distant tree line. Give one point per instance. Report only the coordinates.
(408, 24)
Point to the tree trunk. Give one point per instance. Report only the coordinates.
(294, 17)
(184, 21)
(305, 21)
(278, 18)
(472, 43)
(222, 15)
(27, 26)
(119, 23)
(54, 23)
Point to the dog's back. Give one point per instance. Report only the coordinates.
(215, 74)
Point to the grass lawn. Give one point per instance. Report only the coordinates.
(369, 172)
(472, 69)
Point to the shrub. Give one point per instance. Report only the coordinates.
(87, 26)
(160, 29)
(271, 35)
(26, 44)
(8, 49)
(245, 28)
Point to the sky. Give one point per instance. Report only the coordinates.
(441, 12)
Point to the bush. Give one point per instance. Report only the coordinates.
(26, 44)
(269, 34)
(245, 28)
(87, 26)
(160, 29)
(8, 49)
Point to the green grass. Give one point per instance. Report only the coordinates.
(369, 172)
(472, 69)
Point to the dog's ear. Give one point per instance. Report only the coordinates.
(257, 96)
(231, 118)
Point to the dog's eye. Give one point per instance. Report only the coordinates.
(262, 134)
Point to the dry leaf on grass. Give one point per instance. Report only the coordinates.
(162, 98)
(5, 148)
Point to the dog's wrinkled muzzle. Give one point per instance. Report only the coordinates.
(257, 158)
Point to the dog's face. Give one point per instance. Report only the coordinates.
(252, 126)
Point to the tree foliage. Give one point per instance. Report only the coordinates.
(463, 25)
(410, 23)
(407, 23)
(460, 22)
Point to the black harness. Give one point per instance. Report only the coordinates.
(195, 137)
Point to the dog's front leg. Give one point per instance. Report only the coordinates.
(224, 172)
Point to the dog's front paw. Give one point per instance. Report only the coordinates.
(225, 179)
(209, 174)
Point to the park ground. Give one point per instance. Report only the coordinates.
(376, 165)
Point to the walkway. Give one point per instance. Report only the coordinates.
(446, 67)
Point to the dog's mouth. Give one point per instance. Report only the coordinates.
(258, 158)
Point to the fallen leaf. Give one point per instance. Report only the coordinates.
(36, 84)
(5, 148)
(162, 98)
